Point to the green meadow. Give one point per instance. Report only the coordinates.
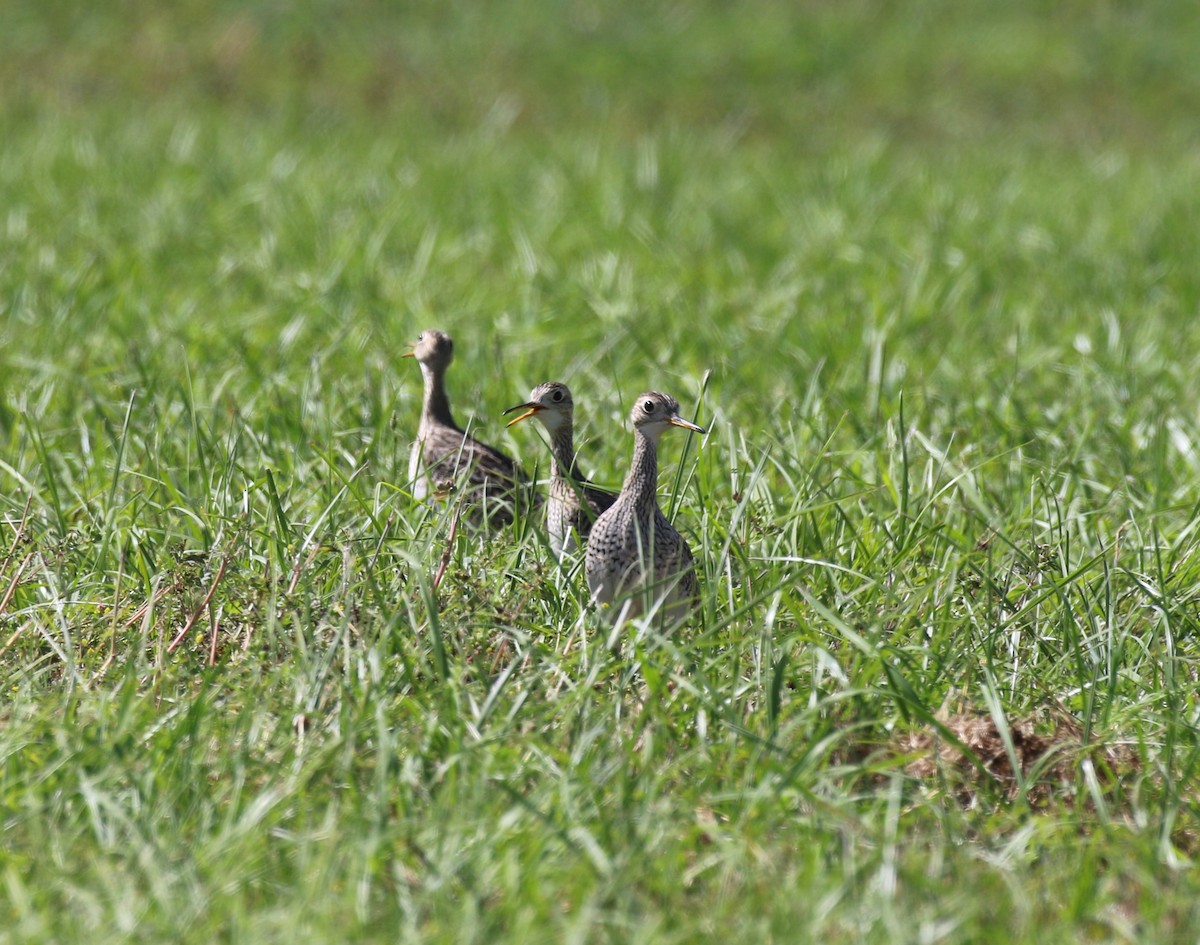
(928, 273)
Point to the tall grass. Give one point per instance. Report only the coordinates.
(928, 277)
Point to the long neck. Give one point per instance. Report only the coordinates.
(642, 482)
(437, 405)
(562, 452)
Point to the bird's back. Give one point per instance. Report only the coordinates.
(445, 458)
(574, 507)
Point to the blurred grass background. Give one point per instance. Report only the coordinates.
(798, 143)
(810, 75)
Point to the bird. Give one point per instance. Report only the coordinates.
(575, 503)
(444, 457)
(634, 554)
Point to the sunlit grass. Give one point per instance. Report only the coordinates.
(947, 369)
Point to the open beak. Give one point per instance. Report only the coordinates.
(410, 354)
(678, 421)
(529, 408)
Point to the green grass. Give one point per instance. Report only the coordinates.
(929, 274)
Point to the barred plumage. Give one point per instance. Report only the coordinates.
(634, 555)
(574, 502)
(445, 458)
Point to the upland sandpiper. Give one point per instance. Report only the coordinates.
(574, 503)
(635, 556)
(444, 458)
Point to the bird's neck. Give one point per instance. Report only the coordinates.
(437, 405)
(562, 453)
(642, 482)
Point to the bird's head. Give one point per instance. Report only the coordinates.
(551, 403)
(653, 412)
(433, 349)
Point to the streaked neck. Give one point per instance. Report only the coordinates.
(562, 453)
(642, 481)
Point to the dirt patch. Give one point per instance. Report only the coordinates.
(970, 751)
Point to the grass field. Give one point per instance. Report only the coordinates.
(929, 274)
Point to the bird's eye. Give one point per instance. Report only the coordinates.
(557, 396)
(648, 406)
(420, 336)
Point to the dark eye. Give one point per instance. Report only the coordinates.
(648, 406)
(556, 396)
(420, 336)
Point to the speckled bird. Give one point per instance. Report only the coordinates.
(634, 555)
(444, 457)
(574, 503)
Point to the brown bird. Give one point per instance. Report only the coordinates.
(444, 457)
(575, 503)
(633, 553)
